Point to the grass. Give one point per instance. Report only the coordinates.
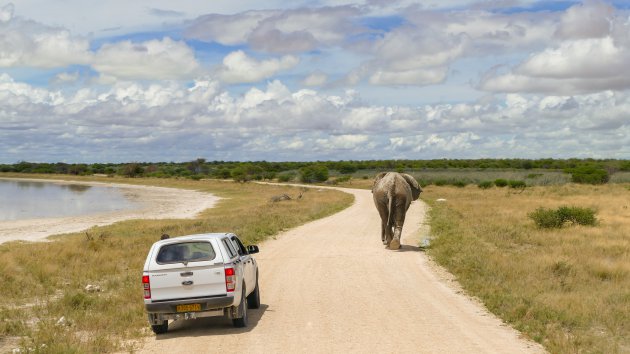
(45, 281)
(565, 288)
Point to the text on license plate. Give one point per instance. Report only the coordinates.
(188, 307)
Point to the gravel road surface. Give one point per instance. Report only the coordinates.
(330, 286)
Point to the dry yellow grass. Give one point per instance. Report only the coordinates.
(567, 288)
(41, 282)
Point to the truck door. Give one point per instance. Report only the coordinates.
(249, 269)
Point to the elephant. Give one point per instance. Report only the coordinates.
(393, 193)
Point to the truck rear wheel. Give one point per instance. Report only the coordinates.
(242, 307)
(160, 329)
(253, 300)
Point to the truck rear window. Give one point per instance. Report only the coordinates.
(186, 252)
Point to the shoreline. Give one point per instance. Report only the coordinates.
(154, 203)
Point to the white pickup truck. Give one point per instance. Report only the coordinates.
(200, 276)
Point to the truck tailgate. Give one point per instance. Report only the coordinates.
(183, 282)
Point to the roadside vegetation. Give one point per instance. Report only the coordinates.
(45, 305)
(564, 284)
(437, 172)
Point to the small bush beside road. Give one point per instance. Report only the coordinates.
(550, 218)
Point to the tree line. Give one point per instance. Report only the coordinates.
(582, 170)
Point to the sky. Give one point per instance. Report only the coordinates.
(85, 81)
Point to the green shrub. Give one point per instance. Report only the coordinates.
(286, 177)
(549, 218)
(589, 175)
(440, 182)
(314, 173)
(546, 218)
(534, 175)
(577, 215)
(347, 168)
(459, 183)
(500, 182)
(342, 179)
(269, 175)
(485, 184)
(517, 184)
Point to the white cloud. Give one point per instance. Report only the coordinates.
(6, 13)
(164, 59)
(27, 43)
(132, 121)
(412, 57)
(576, 66)
(280, 31)
(343, 142)
(594, 50)
(239, 68)
(226, 29)
(316, 78)
(65, 77)
(591, 19)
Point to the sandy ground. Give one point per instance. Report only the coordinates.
(330, 286)
(155, 203)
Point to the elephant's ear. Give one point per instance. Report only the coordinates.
(415, 187)
(378, 178)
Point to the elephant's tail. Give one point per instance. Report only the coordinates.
(390, 208)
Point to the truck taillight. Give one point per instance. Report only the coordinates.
(147, 286)
(230, 279)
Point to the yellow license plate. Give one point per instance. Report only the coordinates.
(188, 307)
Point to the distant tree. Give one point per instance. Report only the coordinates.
(196, 166)
(347, 168)
(314, 173)
(239, 175)
(589, 175)
(131, 170)
(78, 169)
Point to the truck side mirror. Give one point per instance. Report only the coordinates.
(252, 249)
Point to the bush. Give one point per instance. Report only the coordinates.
(485, 184)
(440, 182)
(131, 170)
(589, 175)
(342, 179)
(534, 175)
(577, 215)
(459, 183)
(546, 218)
(517, 184)
(314, 173)
(347, 168)
(286, 176)
(500, 182)
(549, 218)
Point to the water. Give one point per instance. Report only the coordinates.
(33, 200)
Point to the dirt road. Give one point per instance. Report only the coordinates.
(331, 287)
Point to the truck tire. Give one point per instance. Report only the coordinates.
(242, 306)
(160, 329)
(253, 300)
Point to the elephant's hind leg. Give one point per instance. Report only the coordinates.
(395, 242)
(383, 232)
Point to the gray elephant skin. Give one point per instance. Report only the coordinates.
(393, 193)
